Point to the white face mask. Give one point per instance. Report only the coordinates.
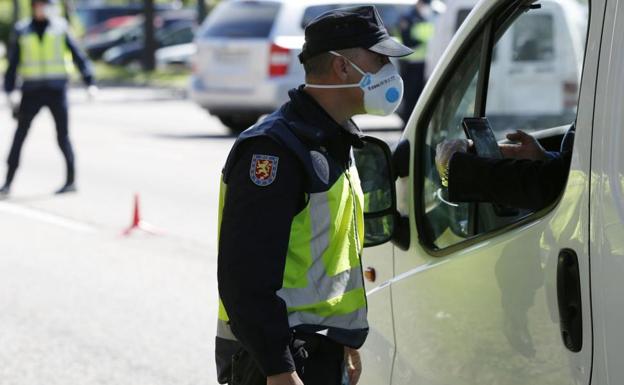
(383, 90)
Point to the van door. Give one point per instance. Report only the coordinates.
(607, 204)
(475, 296)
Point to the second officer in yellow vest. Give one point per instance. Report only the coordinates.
(416, 30)
(41, 56)
(293, 304)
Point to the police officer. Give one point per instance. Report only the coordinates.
(416, 29)
(41, 53)
(293, 306)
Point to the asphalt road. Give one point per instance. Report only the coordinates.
(79, 302)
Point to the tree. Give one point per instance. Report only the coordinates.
(149, 52)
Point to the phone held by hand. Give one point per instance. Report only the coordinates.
(480, 132)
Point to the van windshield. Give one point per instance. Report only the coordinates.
(390, 13)
(241, 19)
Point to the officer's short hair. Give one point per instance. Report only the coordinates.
(320, 64)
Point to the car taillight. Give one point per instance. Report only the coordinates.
(570, 94)
(279, 59)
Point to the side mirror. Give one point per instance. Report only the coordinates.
(374, 165)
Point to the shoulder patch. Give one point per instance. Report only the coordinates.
(321, 166)
(263, 169)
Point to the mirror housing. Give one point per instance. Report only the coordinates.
(374, 164)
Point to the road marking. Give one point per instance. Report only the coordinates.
(48, 218)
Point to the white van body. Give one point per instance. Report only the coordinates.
(240, 79)
(485, 308)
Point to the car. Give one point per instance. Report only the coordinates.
(132, 31)
(179, 56)
(92, 15)
(464, 295)
(132, 52)
(247, 54)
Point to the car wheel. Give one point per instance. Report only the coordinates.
(238, 123)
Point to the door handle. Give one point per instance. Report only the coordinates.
(569, 299)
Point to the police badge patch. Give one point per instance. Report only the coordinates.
(321, 166)
(263, 169)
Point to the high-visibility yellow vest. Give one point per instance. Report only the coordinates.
(422, 31)
(323, 284)
(45, 58)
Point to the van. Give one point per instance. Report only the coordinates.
(247, 54)
(464, 296)
(545, 56)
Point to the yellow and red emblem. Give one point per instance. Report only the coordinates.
(263, 169)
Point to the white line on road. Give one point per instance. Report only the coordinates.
(46, 217)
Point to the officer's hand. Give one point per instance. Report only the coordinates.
(13, 106)
(92, 92)
(284, 379)
(354, 365)
(444, 153)
(526, 147)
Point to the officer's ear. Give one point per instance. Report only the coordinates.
(340, 67)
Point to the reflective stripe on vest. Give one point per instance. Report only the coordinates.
(323, 284)
(45, 58)
(423, 32)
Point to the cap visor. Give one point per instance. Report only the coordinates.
(391, 47)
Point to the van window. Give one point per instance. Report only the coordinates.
(241, 19)
(533, 85)
(447, 223)
(390, 13)
(534, 80)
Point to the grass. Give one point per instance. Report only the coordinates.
(168, 78)
(111, 76)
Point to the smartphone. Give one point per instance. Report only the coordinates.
(480, 132)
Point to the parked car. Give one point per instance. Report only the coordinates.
(179, 56)
(132, 31)
(132, 52)
(465, 296)
(247, 54)
(91, 16)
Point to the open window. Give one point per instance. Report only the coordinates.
(521, 71)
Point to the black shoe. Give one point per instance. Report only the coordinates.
(68, 188)
(5, 191)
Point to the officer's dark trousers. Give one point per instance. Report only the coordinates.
(319, 361)
(32, 102)
(413, 74)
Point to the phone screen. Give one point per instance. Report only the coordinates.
(480, 132)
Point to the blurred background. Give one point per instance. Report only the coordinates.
(84, 302)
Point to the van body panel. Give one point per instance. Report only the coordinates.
(488, 313)
(378, 351)
(607, 206)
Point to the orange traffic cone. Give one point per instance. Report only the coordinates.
(138, 223)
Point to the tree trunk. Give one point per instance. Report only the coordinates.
(201, 11)
(149, 50)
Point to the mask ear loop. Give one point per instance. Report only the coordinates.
(336, 86)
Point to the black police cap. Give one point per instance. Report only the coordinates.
(350, 28)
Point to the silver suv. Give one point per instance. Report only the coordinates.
(247, 54)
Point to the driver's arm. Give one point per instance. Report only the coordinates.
(526, 184)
